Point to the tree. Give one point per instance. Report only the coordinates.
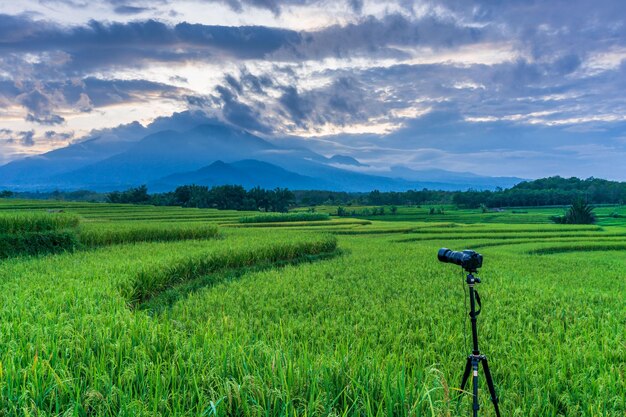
(261, 198)
(6, 194)
(135, 195)
(282, 198)
(580, 212)
(192, 196)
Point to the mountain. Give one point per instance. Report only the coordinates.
(168, 152)
(40, 171)
(210, 154)
(155, 157)
(345, 160)
(248, 173)
(464, 179)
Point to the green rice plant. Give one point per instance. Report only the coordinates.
(39, 243)
(17, 222)
(377, 331)
(101, 236)
(149, 282)
(580, 247)
(291, 224)
(284, 217)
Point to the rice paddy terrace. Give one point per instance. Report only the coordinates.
(146, 311)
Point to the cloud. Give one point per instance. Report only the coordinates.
(101, 44)
(130, 10)
(52, 119)
(42, 99)
(58, 136)
(381, 81)
(27, 138)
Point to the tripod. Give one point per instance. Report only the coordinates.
(476, 358)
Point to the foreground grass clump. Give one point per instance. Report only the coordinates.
(149, 282)
(33, 233)
(33, 244)
(14, 222)
(284, 217)
(102, 235)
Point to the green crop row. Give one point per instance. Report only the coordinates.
(36, 222)
(319, 223)
(148, 282)
(284, 217)
(37, 243)
(119, 234)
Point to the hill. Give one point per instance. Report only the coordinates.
(168, 158)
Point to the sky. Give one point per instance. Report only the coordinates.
(494, 87)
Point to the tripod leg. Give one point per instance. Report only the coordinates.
(492, 389)
(466, 373)
(475, 405)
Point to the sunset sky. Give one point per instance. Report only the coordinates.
(506, 88)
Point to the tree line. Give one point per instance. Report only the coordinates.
(552, 191)
(223, 197)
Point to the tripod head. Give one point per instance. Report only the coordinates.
(471, 279)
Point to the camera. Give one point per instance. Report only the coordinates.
(468, 259)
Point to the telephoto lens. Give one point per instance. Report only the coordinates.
(468, 259)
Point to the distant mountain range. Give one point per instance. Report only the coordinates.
(214, 154)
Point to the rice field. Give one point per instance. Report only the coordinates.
(189, 312)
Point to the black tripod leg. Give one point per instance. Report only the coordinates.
(475, 405)
(492, 389)
(466, 373)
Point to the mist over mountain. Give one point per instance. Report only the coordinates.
(463, 179)
(210, 154)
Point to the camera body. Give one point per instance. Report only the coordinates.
(467, 259)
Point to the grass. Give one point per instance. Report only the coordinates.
(15, 222)
(284, 217)
(245, 329)
(100, 235)
(37, 233)
(34, 244)
(149, 281)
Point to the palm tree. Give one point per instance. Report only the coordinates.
(580, 212)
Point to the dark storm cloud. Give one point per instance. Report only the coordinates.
(297, 107)
(238, 113)
(59, 136)
(559, 27)
(345, 101)
(100, 44)
(41, 99)
(52, 119)
(27, 138)
(106, 92)
(275, 6)
(372, 34)
(130, 10)
(35, 101)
